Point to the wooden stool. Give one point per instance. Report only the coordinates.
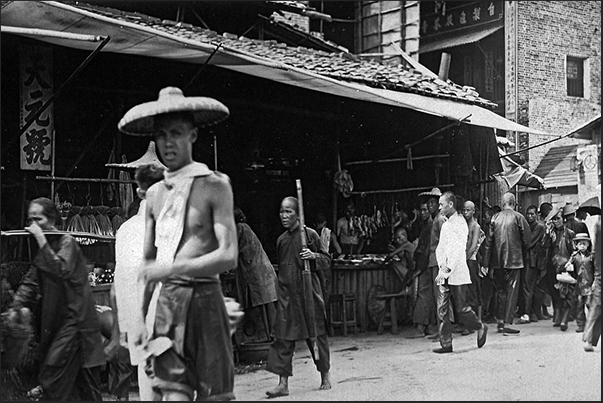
(389, 317)
(343, 318)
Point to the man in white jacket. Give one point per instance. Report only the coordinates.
(452, 276)
(129, 245)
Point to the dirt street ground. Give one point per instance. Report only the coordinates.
(541, 363)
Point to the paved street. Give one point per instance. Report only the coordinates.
(541, 363)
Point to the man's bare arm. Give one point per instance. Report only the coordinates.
(473, 240)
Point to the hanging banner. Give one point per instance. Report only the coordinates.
(36, 88)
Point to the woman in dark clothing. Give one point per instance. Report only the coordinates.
(71, 345)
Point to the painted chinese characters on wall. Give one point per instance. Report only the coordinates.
(448, 16)
(36, 88)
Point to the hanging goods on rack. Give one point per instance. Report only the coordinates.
(343, 182)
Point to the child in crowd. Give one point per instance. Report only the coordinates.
(404, 250)
(581, 266)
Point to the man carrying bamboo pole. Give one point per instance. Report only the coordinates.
(292, 322)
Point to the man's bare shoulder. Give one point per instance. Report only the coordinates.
(215, 186)
(217, 179)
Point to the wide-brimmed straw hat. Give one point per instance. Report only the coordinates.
(433, 192)
(581, 236)
(149, 157)
(554, 211)
(569, 209)
(139, 121)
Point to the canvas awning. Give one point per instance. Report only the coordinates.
(464, 39)
(151, 41)
(514, 174)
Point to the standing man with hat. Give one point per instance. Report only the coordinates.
(569, 219)
(558, 240)
(190, 238)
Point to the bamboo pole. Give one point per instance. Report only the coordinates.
(97, 180)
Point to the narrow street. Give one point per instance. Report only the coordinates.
(541, 363)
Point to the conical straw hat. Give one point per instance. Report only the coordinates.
(150, 157)
(139, 120)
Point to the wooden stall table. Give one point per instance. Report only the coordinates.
(358, 275)
(101, 294)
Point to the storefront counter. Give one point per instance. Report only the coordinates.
(366, 278)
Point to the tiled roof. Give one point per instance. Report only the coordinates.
(339, 66)
(555, 167)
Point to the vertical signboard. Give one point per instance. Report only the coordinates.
(36, 88)
(510, 60)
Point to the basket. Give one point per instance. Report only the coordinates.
(15, 342)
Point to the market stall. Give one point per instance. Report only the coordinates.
(367, 276)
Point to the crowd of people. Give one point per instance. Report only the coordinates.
(509, 270)
(177, 325)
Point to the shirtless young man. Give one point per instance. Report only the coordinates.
(474, 241)
(190, 239)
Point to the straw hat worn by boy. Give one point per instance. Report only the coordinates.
(581, 266)
(190, 238)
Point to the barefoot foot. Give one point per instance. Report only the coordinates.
(280, 390)
(325, 382)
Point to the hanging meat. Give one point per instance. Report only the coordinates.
(343, 182)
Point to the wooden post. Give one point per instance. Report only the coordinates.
(52, 163)
(444, 66)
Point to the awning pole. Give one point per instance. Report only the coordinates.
(541, 144)
(50, 100)
(50, 34)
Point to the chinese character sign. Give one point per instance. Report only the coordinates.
(36, 88)
(442, 18)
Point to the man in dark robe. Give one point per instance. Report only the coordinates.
(292, 322)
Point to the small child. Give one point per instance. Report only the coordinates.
(581, 266)
(402, 248)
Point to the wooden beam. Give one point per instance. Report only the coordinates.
(367, 192)
(424, 157)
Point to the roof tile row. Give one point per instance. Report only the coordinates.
(334, 65)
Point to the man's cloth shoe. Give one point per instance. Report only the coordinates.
(563, 327)
(443, 350)
(481, 336)
(524, 319)
(580, 330)
(533, 318)
(507, 330)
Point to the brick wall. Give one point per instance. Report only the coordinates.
(548, 31)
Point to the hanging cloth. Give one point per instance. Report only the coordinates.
(170, 222)
(126, 194)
